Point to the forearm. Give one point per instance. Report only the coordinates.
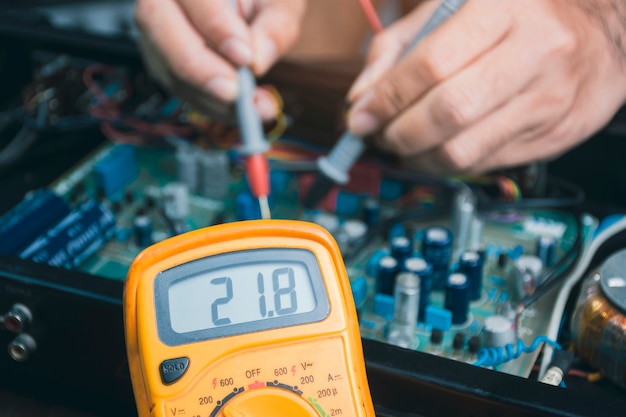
(611, 14)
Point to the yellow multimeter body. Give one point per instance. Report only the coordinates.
(252, 318)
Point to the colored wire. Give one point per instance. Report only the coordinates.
(498, 355)
(371, 15)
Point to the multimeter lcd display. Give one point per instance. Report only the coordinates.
(239, 292)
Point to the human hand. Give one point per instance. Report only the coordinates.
(192, 47)
(501, 83)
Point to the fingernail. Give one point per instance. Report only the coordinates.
(237, 51)
(265, 105)
(223, 88)
(363, 123)
(266, 54)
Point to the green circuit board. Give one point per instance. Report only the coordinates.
(157, 168)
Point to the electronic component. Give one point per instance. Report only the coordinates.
(116, 170)
(526, 272)
(406, 304)
(35, 214)
(437, 250)
(463, 214)
(142, 228)
(558, 367)
(458, 345)
(435, 346)
(176, 201)
(498, 331)
(546, 250)
(471, 265)
(599, 320)
(214, 171)
(246, 207)
(188, 163)
(424, 271)
(78, 236)
(386, 275)
(401, 248)
(196, 328)
(457, 297)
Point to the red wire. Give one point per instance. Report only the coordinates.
(371, 15)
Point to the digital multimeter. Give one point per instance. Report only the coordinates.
(252, 318)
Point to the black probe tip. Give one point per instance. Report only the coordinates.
(320, 188)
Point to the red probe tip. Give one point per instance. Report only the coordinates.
(257, 170)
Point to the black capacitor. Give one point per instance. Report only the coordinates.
(142, 226)
(457, 297)
(401, 248)
(546, 249)
(371, 212)
(437, 250)
(386, 275)
(471, 264)
(424, 271)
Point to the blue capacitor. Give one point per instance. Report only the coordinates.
(386, 275)
(424, 271)
(437, 250)
(32, 217)
(247, 207)
(78, 236)
(457, 297)
(471, 265)
(401, 248)
(118, 169)
(142, 228)
(546, 248)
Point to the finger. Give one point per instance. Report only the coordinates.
(266, 104)
(496, 78)
(459, 41)
(185, 51)
(387, 48)
(275, 29)
(222, 28)
(530, 116)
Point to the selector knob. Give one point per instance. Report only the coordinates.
(268, 402)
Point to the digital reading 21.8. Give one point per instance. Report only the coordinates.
(240, 294)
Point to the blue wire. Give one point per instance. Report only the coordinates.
(562, 384)
(494, 356)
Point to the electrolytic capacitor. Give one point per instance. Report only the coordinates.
(498, 331)
(406, 304)
(526, 275)
(371, 212)
(546, 248)
(386, 275)
(471, 264)
(401, 248)
(424, 271)
(142, 227)
(457, 297)
(437, 250)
